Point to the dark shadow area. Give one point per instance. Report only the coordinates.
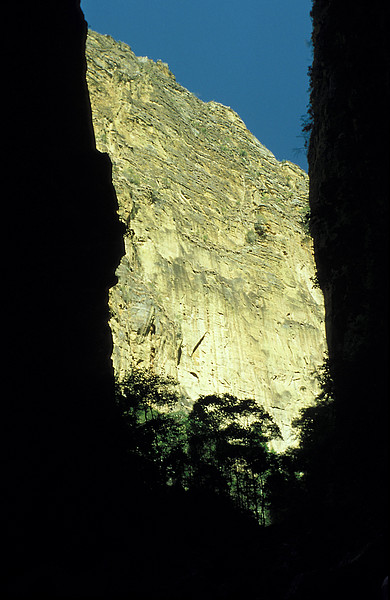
(62, 242)
(349, 199)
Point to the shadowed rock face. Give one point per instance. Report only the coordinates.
(349, 197)
(64, 246)
(216, 287)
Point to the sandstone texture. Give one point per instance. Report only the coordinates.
(217, 286)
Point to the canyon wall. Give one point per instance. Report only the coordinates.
(349, 199)
(217, 287)
(62, 245)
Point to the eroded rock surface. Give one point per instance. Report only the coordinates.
(217, 284)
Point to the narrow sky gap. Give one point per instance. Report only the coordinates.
(252, 55)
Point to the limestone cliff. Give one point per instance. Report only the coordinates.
(216, 287)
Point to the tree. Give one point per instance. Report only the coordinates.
(220, 447)
(316, 431)
(303, 482)
(228, 450)
(155, 426)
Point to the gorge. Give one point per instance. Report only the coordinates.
(76, 520)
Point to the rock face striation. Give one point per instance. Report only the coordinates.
(217, 286)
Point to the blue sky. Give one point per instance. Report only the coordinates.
(251, 55)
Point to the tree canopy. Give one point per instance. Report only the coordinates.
(220, 446)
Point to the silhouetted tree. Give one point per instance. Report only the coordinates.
(316, 429)
(155, 428)
(228, 450)
(220, 447)
(303, 479)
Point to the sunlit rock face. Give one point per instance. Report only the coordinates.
(217, 285)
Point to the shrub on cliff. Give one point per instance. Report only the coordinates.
(250, 237)
(259, 226)
(316, 424)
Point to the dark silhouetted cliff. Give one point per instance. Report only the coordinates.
(61, 245)
(349, 196)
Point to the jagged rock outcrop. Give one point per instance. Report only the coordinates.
(217, 285)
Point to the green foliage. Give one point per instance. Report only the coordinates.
(299, 483)
(305, 221)
(316, 423)
(145, 392)
(118, 77)
(220, 447)
(155, 436)
(259, 226)
(310, 466)
(127, 231)
(259, 230)
(315, 281)
(228, 450)
(131, 176)
(250, 236)
(306, 127)
(153, 196)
